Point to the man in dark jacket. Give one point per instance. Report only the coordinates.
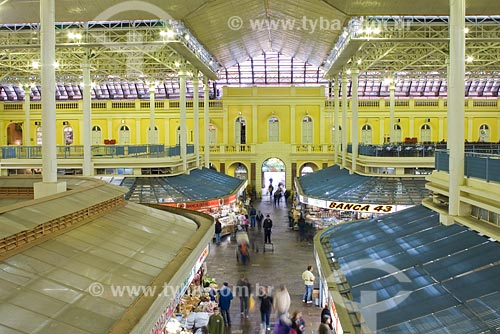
(266, 306)
(268, 225)
(225, 297)
(218, 231)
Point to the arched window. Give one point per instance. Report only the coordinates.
(425, 133)
(124, 135)
(274, 129)
(240, 131)
(68, 135)
(212, 134)
(366, 134)
(397, 134)
(307, 130)
(484, 133)
(96, 135)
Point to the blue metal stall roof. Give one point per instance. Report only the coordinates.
(424, 277)
(335, 184)
(198, 185)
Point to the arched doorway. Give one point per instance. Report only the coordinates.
(425, 133)
(14, 134)
(153, 135)
(124, 135)
(307, 130)
(484, 133)
(274, 129)
(68, 135)
(240, 131)
(366, 134)
(273, 172)
(212, 135)
(397, 134)
(336, 135)
(96, 135)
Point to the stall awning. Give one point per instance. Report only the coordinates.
(199, 185)
(420, 276)
(85, 278)
(333, 184)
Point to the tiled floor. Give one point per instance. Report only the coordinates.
(283, 266)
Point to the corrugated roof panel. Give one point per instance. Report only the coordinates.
(412, 281)
(126, 247)
(335, 184)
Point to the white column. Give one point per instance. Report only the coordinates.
(206, 101)
(49, 184)
(344, 120)
(392, 107)
(456, 101)
(196, 116)
(87, 127)
(151, 133)
(336, 123)
(27, 120)
(182, 83)
(48, 59)
(293, 136)
(354, 119)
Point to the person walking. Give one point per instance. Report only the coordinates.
(216, 322)
(281, 302)
(308, 278)
(243, 291)
(260, 218)
(253, 216)
(287, 195)
(268, 225)
(225, 297)
(266, 306)
(218, 231)
(270, 191)
(298, 322)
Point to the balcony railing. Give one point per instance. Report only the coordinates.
(97, 151)
(479, 165)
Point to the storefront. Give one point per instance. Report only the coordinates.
(225, 209)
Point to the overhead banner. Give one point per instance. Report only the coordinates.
(346, 206)
(373, 208)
